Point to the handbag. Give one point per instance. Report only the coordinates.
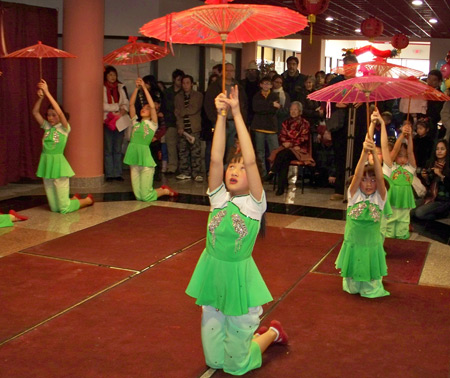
(110, 121)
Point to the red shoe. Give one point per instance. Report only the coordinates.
(91, 197)
(261, 330)
(172, 193)
(77, 196)
(282, 337)
(18, 216)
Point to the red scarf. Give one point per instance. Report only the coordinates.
(112, 91)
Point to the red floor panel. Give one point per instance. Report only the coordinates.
(34, 288)
(405, 260)
(132, 241)
(335, 334)
(148, 326)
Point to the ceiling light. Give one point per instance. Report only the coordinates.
(358, 30)
(417, 2)
(433, 21)
(329, 18)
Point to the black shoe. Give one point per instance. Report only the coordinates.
(119, 179)
(279, 192)
(268, 177)
(109, 179)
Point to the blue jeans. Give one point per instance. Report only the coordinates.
(112, 147)
(260, 143)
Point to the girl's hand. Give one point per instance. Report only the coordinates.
(375, 116)
(406, 129)
(221, 103)
(233, 100)
(139, 82)
(43, 86)
(368, 145)
(40, 93)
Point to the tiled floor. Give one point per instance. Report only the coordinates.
(311, 210)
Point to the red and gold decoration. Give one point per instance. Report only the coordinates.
(372, 28)
(311, 8)
(373, 50)
(399, 41)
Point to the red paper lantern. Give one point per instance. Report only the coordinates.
(400, 41)
(372, 27)
(311, 8)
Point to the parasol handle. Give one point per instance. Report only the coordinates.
(409, 107)
(40, 69)
(224, 37)
(137, 68)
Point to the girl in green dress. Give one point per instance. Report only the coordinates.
(53, 166)
(362, 259)
(226, 282)
(138, 156)
(400, 166)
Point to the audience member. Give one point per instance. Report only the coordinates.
(293, 79)
(434, 108)
(171, 120)
(188, 107)
(285, 101)
(115, 105)
(251, 87)
(295, 140)
(210, 108)
(264, 124)
(423, 144)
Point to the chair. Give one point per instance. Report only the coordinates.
(293, 170)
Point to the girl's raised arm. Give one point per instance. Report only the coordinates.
(149, 98)
(359, 171)
(37, 106)
(248, 153)
(411, 157)
(215, 178)
(383, 139)
(133, 100)
(62, 117)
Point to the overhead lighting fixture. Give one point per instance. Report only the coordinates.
(358, 30)
(329, 18)
(417, 2)
(433, 21)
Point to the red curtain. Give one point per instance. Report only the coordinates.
(20, 135)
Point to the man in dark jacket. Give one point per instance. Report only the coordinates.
(292, 79)
(210, 108)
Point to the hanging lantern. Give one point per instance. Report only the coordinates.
(372, 28)
(399, 41)
(311, 8)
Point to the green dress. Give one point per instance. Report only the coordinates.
(138, 151)
(362, 256)
(226, 276)
(401, 195)
(53, 164)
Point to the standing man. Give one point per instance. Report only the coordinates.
(292, 79)
(251, 87)
(171, 121)
(434, 108)
(210, 108)
(188, 108)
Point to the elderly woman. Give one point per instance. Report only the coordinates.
(295, 144)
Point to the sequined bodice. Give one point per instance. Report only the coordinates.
(231, 235)
(142, 133)
(401, 176)
(53, 141)
(363, 223)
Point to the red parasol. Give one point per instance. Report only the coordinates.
(368, 89)
(379, 67)
(220, 22)
(135, 53)
(39, 51)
